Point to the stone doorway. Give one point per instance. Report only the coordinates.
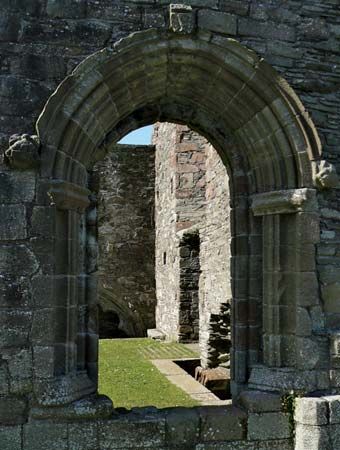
(257, 125)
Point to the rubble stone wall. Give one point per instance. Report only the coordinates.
(193, 189)
(126, 238)
(215, 286)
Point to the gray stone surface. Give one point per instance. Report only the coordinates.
(311, 411)
(222, 424)
(45, 435)
(10, 438)
(309, 437)
(182, 426)
(266, 426)
(13, 224)
(125, 186)
(257, 401)
(134, 434)
(216, 86)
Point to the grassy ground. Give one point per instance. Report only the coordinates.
(128, 377)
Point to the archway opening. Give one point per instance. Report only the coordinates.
(263, 136)
(185, 227)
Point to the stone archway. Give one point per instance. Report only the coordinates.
(266, 139)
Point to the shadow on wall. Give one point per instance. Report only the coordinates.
(110, 325)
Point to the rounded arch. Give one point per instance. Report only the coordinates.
(211, 83)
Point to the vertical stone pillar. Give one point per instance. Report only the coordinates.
(290, 287)
(62, 327)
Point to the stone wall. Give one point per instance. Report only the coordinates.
(42, 275)
(192, 203)
(215, 286)
(167, 309)
(125, 182)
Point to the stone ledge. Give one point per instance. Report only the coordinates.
(284, 202)
(69, 196)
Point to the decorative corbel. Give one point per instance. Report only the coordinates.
(325, 175)
(23, 152)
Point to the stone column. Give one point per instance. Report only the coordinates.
(290, 289)
(62, 327)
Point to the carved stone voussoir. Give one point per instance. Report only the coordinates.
(284, 202)
(182, 19)
(23, 152)
(325, 175)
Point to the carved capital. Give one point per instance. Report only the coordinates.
(325, 175)
(69, 196)
(284, 202)
(23, 152)
(182, 19)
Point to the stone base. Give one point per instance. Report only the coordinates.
(63, 390)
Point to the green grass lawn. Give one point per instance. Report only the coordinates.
(128, 377)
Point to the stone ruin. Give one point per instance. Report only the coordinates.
(260, 81)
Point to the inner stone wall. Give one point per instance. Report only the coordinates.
(192, 199)
(215, 286)
(125, 185)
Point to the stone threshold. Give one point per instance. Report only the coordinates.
(179, 377)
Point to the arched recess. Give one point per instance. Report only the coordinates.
(262, 133)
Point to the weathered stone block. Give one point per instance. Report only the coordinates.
(334, 408)
(238, 7)
(44, 251)
(15, 327)
(12, 411)
(286, 444)
(311, 411)
(131, 433)
(43, 359)
(258, 401)
(66, 8)
(83, 436)
(329, 274)
(43, 221)
(309, 437)
(265, 426)
(182, 426)
(222, 424)
(14, 292)
(13, 222)
(303, 322)
(217, 21)
(312, 353)
(48, 325)
(9, 27)
(236, 445)
(269, 30)
(17, 187)
(4, 379)
(16, 259)
(45, 435)
(10, 438)
(331, 297)
(20, 370)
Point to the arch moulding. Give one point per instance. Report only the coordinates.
(268, 143)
